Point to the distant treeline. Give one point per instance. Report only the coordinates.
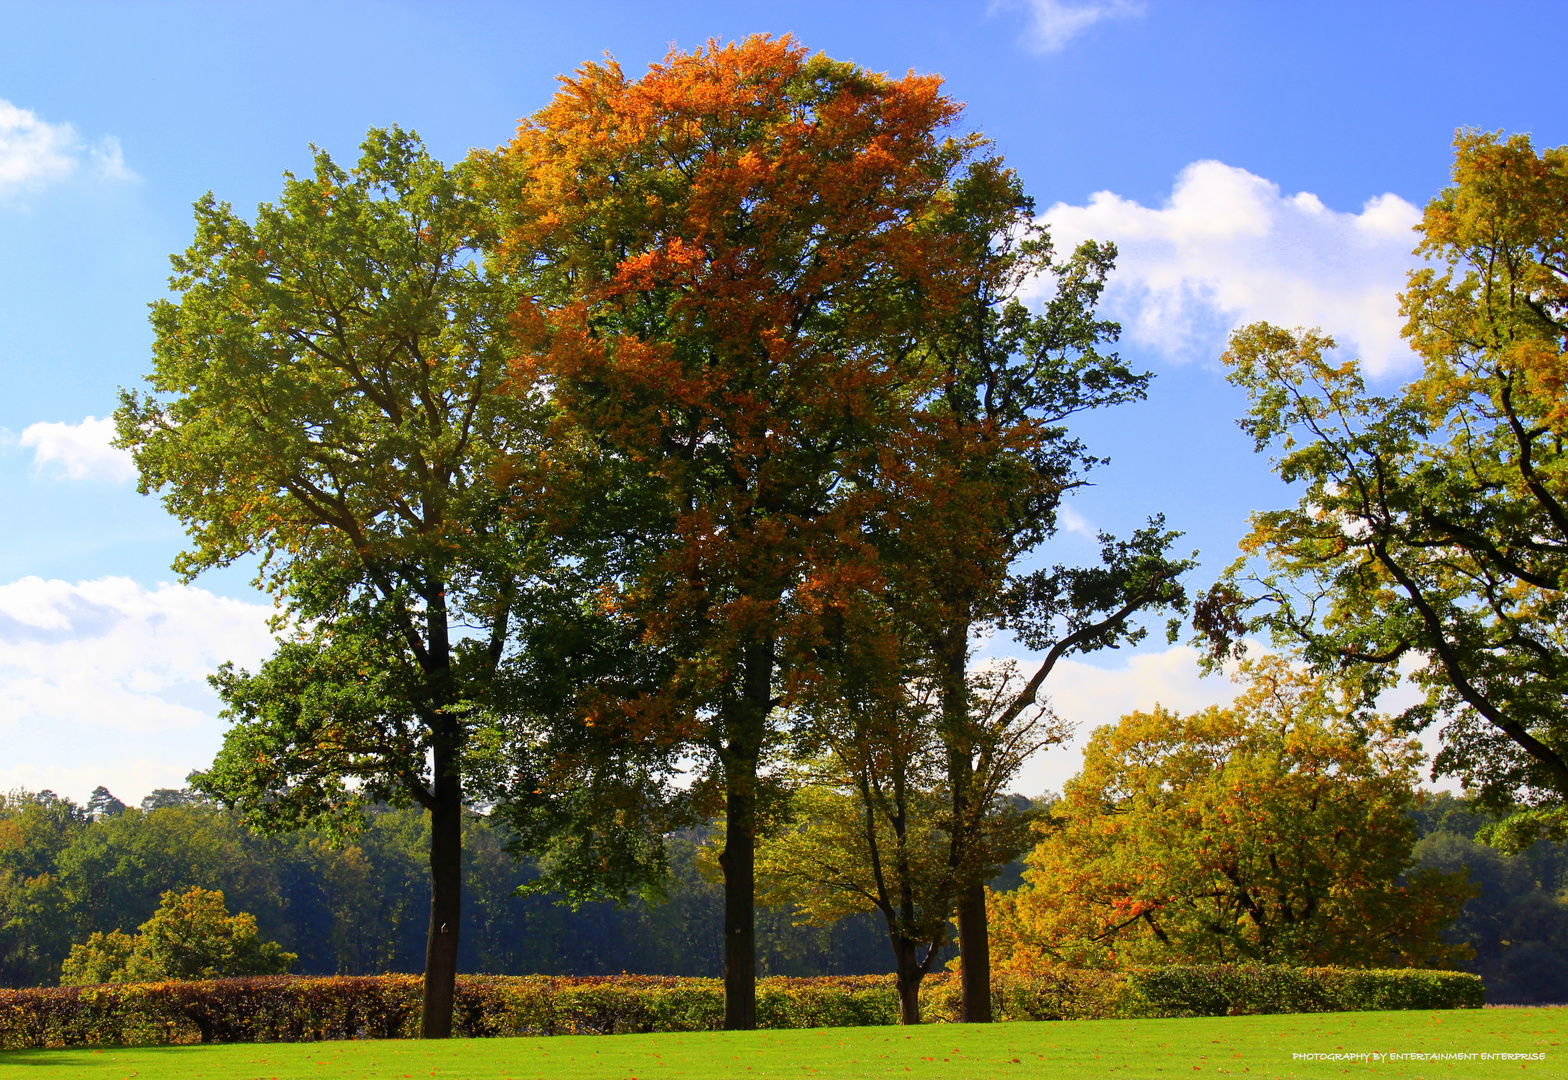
(361, 907)
(1518, 923)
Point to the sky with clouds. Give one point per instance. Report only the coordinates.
(1251, 161)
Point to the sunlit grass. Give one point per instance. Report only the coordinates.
(1254, 1046)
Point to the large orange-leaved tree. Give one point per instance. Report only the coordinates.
(729, 258)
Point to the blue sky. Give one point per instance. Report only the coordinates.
(1253, 160)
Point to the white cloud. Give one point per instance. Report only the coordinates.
(1052, 23)
(109, 160)
(79, 451)
(104, 682)
(1073, 522)
(35, 153)
(1229, 248)
(32, 151)
(1090, 697)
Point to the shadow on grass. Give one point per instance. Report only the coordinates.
(77, 1057)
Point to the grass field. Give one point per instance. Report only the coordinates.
(1253, 1046)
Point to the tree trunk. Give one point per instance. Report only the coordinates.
(908, 979)
(446, 894)
(974, 946)
(740, 923)
(974, 952)
(743, 747)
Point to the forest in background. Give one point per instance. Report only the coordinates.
(362, 907)
(67, 871)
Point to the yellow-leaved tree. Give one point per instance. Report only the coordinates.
(190, 936)
(1274, 831)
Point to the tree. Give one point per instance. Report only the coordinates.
(103, 804)
(114, 873)
(840, 857)
(1432, 531)
(1517, 921)
(325, 396)
(164, 798)
(35, 930)
(191, 936)
(975, 484)
(872, 828)
(1274, 830)
(719, 253)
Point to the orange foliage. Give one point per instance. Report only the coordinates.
(731, 269)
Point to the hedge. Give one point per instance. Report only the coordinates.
(294, 1009)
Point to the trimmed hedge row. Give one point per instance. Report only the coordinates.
(292, 1009)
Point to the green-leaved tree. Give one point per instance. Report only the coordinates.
(324, 397)
(1432, 533)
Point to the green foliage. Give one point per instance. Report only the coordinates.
(102, 803)
(387, 1006)
(1517, 921)
(35, 930)
(104, 958)
(360, 906)
(835, 857)
(1432, 527)
(191, 936)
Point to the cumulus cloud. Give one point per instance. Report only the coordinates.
(104, 682)
(1229, 247)
(1052, 23)
(1090, 696)
(78, 451)
(113, 653)
(35, 153)
(108, 159)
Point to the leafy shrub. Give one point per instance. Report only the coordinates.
(290, 1009)
(190, 936)
(1233, 990)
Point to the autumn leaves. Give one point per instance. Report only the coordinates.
(697, 431)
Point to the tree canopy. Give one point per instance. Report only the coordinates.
(190, 936)
(1432, 532)
(1274, 830)
(324, 396)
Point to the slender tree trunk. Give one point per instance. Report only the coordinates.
(446, 825)
(974, 950)
(743, 749)
(974, 947)
(446, 894)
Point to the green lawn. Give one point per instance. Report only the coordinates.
(1258, 1046)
